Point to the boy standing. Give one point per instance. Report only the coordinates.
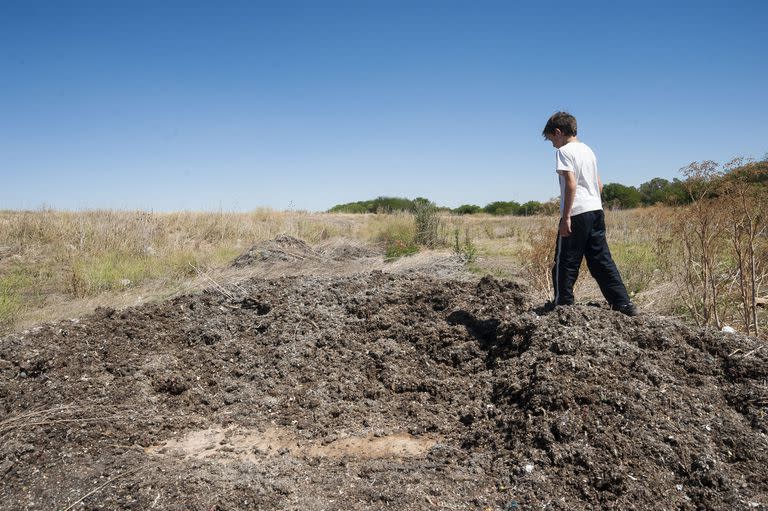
(582, 223)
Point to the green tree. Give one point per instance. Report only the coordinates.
(502, 208)
(677, 193)
(380, 205)
(531, 207)
(621, 196)
(551, 207)
(657, 190)
(467, 209)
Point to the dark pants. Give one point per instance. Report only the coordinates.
(587, 239)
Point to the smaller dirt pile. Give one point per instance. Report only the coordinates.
(283, 248)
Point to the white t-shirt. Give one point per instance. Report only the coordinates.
(578, 158)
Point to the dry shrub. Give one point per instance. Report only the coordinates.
(428, 224)
(744, 205)
(721, 236)
(538, 257)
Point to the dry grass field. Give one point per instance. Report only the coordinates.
(56, 264)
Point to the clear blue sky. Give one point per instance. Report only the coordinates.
(235, 105)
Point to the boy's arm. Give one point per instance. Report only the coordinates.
(569, 194)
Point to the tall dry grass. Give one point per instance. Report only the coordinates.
(51, 256)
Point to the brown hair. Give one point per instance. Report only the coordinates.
(563, 121)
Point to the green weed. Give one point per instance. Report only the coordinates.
(13, 286)
(466, 249)
(637, 264)
(398, 249)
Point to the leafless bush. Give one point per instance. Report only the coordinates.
(721, 236)
(745, 211)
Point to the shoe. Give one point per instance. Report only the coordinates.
(628, 309)
(549, 307)
(545, 308)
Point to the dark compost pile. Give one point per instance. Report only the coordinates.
(380, 391)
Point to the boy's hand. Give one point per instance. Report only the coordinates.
(565, 226)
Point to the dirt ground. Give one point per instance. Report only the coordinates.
(407, 388)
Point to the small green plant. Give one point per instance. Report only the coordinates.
(637, 263)
(466, 249)
(456, 244)
(10, 304)
(398, 236)
(19, 286)
(398, 248)
(470, 249)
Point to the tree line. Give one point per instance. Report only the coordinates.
(392, 204)
(615, 195)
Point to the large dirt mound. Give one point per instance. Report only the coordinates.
(373, 391)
